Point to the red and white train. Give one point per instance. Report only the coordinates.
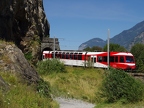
(118, 60)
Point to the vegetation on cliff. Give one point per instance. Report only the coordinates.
(21, 95)
(20, 84)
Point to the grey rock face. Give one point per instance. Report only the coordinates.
(22, 18)
(24, 22)
(3, 84)
(13, 60)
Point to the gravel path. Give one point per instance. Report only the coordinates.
(73, 103)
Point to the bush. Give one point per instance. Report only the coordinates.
(28, 56)
(43, 88)
(118, 85)
(50, 66)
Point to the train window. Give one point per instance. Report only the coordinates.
(46, 56)
(116, 58)
(111, 58)
(80, 56)
(56, 55)
(75, 56)
(129, 59)
(67, 55)
(99, 58)
(52, 54)
(63, 55)
(71, 55)
(105, 58)
(59, 55)
(121, 59)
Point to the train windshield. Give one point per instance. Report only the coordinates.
(129, 59)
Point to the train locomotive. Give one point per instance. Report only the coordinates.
(118, 60)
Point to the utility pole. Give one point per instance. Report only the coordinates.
(108, 49)
(54, 47)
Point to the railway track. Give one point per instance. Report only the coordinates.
(137, 75)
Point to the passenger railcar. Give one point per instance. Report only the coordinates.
(118, 60)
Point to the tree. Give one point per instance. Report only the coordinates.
(94, 48)
(118, 85)
(87, 49)
(137, 51)
(115, 47)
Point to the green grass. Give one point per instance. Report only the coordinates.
(69, 82)
(84, 83)
(20, 95)
(79, 83)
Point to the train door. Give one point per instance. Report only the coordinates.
(93, 61)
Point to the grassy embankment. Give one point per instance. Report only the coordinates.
(85, 84)
(77, 83)
(19, 94)
(71, 82)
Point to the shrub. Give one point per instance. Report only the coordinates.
(43, 88)
(49, 66)
(28, 56)
(118, 85)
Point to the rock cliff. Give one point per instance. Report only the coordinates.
(23, 22)
(12, 60)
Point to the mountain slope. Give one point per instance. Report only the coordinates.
(92, 42)
(126, 38)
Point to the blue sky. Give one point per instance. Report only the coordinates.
(77, 21)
